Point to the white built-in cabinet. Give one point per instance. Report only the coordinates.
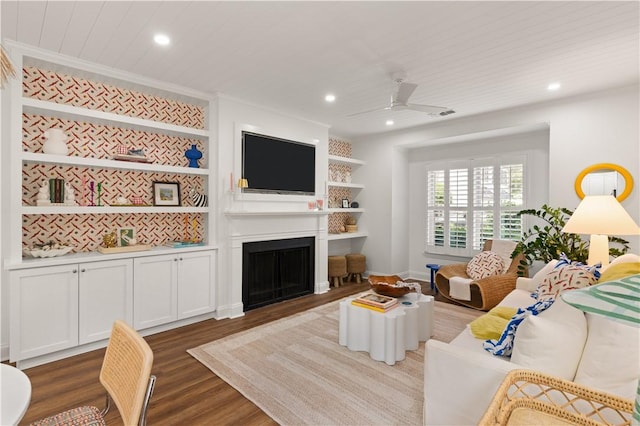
(105, 294)
(59, 307)
(172, 287)
(62, 303)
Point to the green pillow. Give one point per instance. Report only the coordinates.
(492, 324)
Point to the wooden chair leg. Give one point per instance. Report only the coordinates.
(358, 278)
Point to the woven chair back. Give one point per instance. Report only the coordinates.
(126, 370)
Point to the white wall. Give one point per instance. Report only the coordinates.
(593, 128)
(233, 116)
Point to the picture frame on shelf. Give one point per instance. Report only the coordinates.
(345, 203)
(166, 194)
(126, 237)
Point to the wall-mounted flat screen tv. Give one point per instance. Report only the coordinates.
(278, 166)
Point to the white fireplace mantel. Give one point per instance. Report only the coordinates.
(265, 225)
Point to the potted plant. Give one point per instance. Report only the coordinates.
(546, 242)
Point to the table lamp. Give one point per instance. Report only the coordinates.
(600, 216)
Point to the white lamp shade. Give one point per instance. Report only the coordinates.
(601, 214)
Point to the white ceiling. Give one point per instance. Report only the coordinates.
(471, 56)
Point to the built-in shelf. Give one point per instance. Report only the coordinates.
(66, 160)
(345, 160)
(346, 235)
(109, 209)
(276, 213)
(73, 113)
(349, 210)
(29, 262)
(346, 185)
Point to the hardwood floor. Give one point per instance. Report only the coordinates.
(186, 392)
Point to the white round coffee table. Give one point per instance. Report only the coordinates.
(386, 336)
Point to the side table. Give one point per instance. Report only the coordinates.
(386, 336)
(434, 267)
(15, 394)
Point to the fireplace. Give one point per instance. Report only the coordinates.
(277, 270)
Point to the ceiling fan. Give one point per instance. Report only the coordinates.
(400, 101)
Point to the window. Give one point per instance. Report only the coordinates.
(469, 202)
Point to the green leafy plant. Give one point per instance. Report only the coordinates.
(546, 242)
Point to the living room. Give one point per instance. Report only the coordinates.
(561, 133)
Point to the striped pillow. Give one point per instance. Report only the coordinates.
(485, 264)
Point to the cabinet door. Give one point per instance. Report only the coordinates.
(44, 310)
(105, 295)
(155, 298)
(196, 283)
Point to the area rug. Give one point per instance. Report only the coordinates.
(296, 372)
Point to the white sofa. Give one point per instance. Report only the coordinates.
(461, 378)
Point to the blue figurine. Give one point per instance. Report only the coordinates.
(193, 155)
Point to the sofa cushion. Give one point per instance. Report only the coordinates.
(485, 264)
(620, 270)
(563, 278)
(611, 357)
(491, 324)
(552, 342)
(503, 346)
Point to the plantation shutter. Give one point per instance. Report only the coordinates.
(473, 201)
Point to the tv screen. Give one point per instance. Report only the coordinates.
(278, 166)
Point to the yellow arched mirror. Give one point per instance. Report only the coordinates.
(604, 179)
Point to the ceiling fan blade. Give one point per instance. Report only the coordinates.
(405, 90)
(368, 111)
(428, 108)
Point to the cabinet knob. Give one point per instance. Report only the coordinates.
(175, 260)
(180, 259)
(83, 270)
(75, 271)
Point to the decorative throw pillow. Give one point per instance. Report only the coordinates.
(485, 264)
(567, 277)
(551, 342)
(491, 324)
(620, 270)
(565, 261)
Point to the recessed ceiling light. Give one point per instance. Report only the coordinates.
(330, 98)
(162, 39)
(553, 86)
(389, 123)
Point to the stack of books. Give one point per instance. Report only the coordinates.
(375, 302)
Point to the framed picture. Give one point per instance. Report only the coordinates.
(166, 194)
(345, 203)
(126, 237)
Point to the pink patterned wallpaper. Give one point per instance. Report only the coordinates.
(69, 90)
(84, 231)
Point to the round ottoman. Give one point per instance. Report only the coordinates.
(356, 266)
(337, 269)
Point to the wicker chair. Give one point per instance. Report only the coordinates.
(126, 376)
(533, 398)
(486, 292)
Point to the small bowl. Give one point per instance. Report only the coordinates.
(386, 285)
(48, 253)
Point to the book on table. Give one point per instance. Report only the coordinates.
(376, 302)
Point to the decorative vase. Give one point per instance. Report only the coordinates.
(55, 143)
(193, 155)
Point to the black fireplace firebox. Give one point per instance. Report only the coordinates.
(277, 270)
